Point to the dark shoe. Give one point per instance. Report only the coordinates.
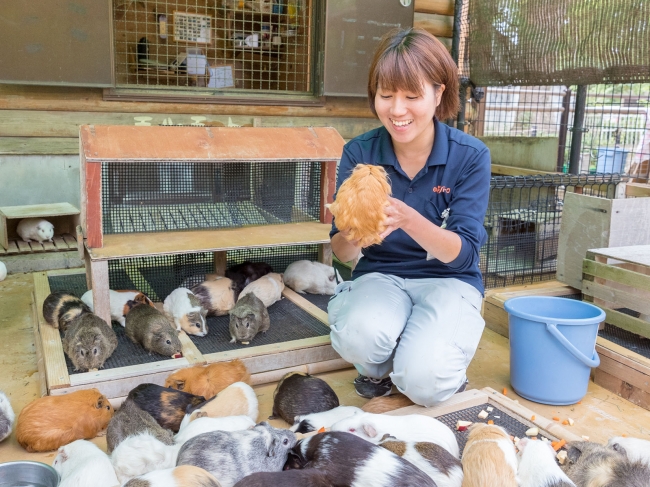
(462, 387)
(369, 388)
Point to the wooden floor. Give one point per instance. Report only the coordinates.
(600, 415)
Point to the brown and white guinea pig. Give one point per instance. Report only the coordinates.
(121, 302)
(37, 229)
(537, 466)
(52, 421)
(246, 272)
(184, 309)
(440, 465)
(350, 460)
(89, 341)
(308, 477)
(590, 464)
(298, 394)
(304, 276)
(238, 399)
(634, 448)
(167, 406)
(248, 318)
(268, 288)
(130, 420)
(60, 308)
(183, 476)
(218, 296)
(7, 416)
(360, 203)
(383, 404)
(208, 380)
(489, 458)
(151, 329)
(81, 464)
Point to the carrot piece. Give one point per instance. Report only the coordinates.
(624, 435)
(555, 418)
(490, 421)
(532, 418)
(533, 438)
(558, 444)
(565, 422)
(322, 430)
(505, 391)
(579, 402)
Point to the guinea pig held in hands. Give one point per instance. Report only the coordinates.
(184, 309)
(121, 302)
(151, 329)
(130, 420)
(52, 421)
(248, 318)
(304, 276)
(35, 229)
(350, 460)
(81, 464)
(89, 341)
(217, 296)
(60, 308)
(208, 380)
(489, 458)
(298, 394)
(268, 288)
(537, 466)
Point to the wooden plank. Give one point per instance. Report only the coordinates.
(632, 300)
(462, 400)
(192, 241)
(23, 246)
(39, 211)
(637, 190)
(622, 388)
(634, 360)
(4, 235)
(36, 246)
(12, 247)
(190, 352)
(301, 302)
(91, 191)
(118, 143)
(272, 348)
(290, 358)
(617, 274)
(328, 188)
(60, 244)
(627, 322)
(631, 376)
(627, 229)
(515, 171)
(38, 346)
(66, 272)
(70, 240)
(130, 371)
(496, 318)
(55, 366)
(49, 247)
(46, 146)
(312, 368)
(220, 263)
(99, 285)
(325, 254)
(437, 25)
(440, 7)
(634, 254)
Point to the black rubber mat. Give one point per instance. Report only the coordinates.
(72, 283)
(319, 300)
(626, 339)
(288, 322)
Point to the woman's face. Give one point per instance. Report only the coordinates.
(408, 117)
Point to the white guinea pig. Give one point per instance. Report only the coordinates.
(315, 421)
(206, 425)
(35, 229)
(3, 271)
(635, 449)
(81, 463)
(537, 465)
(140, 454)
(304, 276)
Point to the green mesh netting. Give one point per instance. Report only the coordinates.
(552, 42)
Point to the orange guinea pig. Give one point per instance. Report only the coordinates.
(360, 203)
(209, 380)
(53, 421)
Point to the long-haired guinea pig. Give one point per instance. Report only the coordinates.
(89, 341)
(489, 458)
(304, 276)
(121, 302)
(537, 466)
(440, 465)
(231, 456)
(52, 421)
(268, 288)
(218, 296)
(411, 427)
(246, 272)
(208, 380)
(591, 464)
(315, 421)
(238, 399)
(35, 229)
(130, 420)
(360, 203)
(60, 308)
(7, 416)
(298, 394)
(140, 454)
(634, 448)
(383, 404)
(81, 464)
(352, 461)
(308, 477)
(151, 329)
(207, 425)
(167, 406)
(184, 309)
(183, 476)
(248, 318)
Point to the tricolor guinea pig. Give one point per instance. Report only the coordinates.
(49, 422)
(208, 380)
(304, 276)
(81, 464)
(36, 229)
(130, 420)
(60, 308)
(121, 302)
(184, 309)
(183, 476)
(489, 457)
(267, 288)
(218, 296)
(238, 399)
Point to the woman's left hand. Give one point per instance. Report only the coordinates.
(398, 214)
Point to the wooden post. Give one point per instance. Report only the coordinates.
(92, 209)
(327, 188)
(325, 253)
(100, 287)
(220, 262)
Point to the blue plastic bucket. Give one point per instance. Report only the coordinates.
(552, 347)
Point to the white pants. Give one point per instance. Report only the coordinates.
(421, 332)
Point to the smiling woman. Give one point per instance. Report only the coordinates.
(411, 315)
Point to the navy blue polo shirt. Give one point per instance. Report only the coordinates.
(455, 177)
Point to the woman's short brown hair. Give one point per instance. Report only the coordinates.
(405, 58)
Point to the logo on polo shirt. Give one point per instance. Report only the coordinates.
(441, 189)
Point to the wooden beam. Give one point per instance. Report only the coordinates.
(438, 25)
(516, 171)
(439, 7)
(91, 203)
(328, 188)
(39, 146)
(301, 302)
(636, 190)
(38, 346)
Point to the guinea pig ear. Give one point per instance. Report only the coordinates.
(369, 429)
(574, 452)
(179, 384)
(617, 447)
(521, 444)
(63, 454)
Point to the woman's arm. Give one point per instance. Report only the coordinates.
(344, 250)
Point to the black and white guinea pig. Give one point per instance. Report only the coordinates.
(315, 421)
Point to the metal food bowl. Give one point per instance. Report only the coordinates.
(25, 473)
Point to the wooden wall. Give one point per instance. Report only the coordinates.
(437, 17)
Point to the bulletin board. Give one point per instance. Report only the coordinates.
(190, 27)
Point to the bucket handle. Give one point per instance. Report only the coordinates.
(589, 362)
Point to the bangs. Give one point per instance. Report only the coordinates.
(398, 70)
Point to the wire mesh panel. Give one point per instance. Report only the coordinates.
(154, 197)
(523, 224)
(262, 45)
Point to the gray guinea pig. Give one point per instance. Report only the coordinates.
(248, 318)
(89, 341)
(150, 328)
(60, 308)
(590, 463)
(232, 455)
(298, 394)
(7, 416)
(130, 420)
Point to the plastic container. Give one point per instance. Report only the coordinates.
(552, 347)
(611, 160)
